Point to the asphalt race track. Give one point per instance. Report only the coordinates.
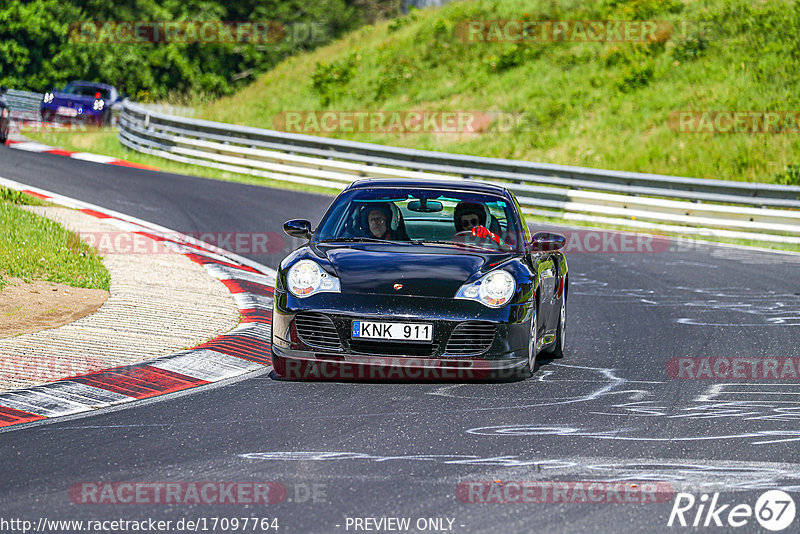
(609, 411)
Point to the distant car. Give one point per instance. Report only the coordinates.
(5, 115)
(81, 102)
(438, 279)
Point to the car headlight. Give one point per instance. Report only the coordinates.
(48, 97)
(306, 278)
(493, 290)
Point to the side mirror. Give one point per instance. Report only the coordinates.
(546, 242)
(299, 228)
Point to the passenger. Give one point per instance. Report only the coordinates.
(377, 221)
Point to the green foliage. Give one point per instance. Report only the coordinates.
(330, 79)
(636, 76)
(400, 22)
(645, 9)
(790, 176)
(690, 48)
(514, 56)
(41, 46)
(393, 74)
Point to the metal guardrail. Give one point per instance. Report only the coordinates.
(24, 102)
(716, 207)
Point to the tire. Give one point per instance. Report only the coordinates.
(533, 362)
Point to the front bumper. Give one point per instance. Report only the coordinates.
(298, 356)
(55, 111)
(296, 365)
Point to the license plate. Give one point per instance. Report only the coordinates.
(393, 331)
(69, 112)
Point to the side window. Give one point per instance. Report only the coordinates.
(526, 233)
(499, 214)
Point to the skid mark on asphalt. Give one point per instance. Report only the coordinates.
(748, 403)
(761, 437)
(759, 307)
(512, 460)
(598, 375)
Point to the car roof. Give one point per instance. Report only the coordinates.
(457, 184)
(92, 84)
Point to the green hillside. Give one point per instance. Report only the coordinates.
(596, 104)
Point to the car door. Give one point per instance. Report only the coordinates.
(548, 276)
(543, 264)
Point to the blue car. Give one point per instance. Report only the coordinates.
(84, 102)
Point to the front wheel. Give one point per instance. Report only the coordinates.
(532, 364)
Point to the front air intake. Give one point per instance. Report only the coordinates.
(471, 337)
(317, 330)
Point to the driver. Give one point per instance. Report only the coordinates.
(471, 216)
(468, 215)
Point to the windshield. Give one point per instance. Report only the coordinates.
(86, 90)
(422, 216)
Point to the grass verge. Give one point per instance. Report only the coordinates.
(35, 248)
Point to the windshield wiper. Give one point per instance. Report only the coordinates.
(458, 244)
(361, 240)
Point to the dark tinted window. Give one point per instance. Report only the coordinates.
(87, 90)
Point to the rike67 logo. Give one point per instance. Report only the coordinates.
(774, 510)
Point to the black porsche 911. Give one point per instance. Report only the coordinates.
(418, 279)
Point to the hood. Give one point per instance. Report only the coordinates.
(375, 269)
